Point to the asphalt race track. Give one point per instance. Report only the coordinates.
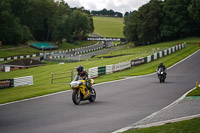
(118, 104)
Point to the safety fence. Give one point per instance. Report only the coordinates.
(97, 71)
(58, 54)
(21, 81)
(65, 77)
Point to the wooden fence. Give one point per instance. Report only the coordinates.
(65, 77)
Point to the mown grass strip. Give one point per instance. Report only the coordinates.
(108, 26)
(188, 126)
(195, 92)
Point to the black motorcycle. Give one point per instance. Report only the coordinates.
(161, 75)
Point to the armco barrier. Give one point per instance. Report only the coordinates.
(148, 58)
(145, 59)
(71, 51)
(137, 62)
(152, 57)
(155, 56)
(22, 81)
(6, 83)
(96, 71)
(93, 72)
(109, 69)
(121, 66)
(101, 70)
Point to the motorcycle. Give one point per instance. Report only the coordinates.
(81, 92)
(161, 75)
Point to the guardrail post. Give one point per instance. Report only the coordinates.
(52, 78)
(72, 74)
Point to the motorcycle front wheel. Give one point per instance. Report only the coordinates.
(160, 79)
(76, 97)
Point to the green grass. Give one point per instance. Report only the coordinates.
(42, 75)
(10, 50)
(18, 51)
(66, 45)
(108, 26)
(148, 50)
(152, 66)
(195, 92)
(188, 126)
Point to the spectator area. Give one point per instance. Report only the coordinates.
(43, 46)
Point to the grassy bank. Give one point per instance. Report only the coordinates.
(188, 126)
(108, 26)
(42, 75)
(152, 66)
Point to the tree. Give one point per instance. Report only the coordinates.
(11, 31)
(194, 13)
(126, 14)
(150, 20)
(143, 26)
(81, 24)
(106, 12)
(194, 10)
(43, 20)
(176, 22)
(131, 26)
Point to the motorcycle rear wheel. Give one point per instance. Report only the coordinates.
(93, 96)
(76, 98)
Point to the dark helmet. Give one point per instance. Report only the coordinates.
(161, 64)
(79, 69)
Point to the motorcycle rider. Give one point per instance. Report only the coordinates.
(162, 67)
(84, 75)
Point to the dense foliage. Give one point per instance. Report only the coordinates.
(106, 12)
(42, 20)
(161, 20)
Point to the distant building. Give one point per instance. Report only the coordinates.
(21, 64)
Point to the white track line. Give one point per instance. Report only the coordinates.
(95, 84)
(34, 98)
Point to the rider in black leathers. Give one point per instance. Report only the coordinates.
(163, 67)
(84, 75)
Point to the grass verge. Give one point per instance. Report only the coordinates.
(195, 92)
(188, 126)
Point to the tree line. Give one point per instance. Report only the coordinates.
(106, 12)
(161, 20)
(42, 20)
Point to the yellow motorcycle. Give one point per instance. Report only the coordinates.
(81, 92)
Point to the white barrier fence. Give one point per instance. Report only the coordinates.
(93, 72)
(109, 69)
(22, 81)
(96, 71)
(121, 66)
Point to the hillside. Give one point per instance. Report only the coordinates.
(108, 26)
